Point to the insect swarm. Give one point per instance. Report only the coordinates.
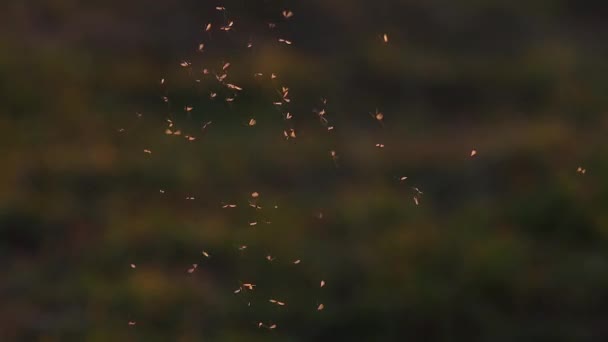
(226, 86)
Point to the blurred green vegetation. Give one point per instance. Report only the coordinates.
(509, 245)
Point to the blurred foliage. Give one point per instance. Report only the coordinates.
(508, 245)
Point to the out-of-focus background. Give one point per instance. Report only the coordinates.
(103, 213)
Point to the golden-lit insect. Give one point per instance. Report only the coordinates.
(473, 152)
(221, 78)
(378, 116)
(253, 205)
(193, 268)
(133, 266)
(206, 254)
(385, 38)
(252, 122)
(227, 27)
(244, 286)
(320, 307)
(208, 27)
(249, 286)
(417, 195)
(322, 283)
(205, 125)
(287, 14)
(334, 157)
(291, 133)
(581, 170)
(277, 302)
(321, 115)
(297, 262)
(232, 86)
